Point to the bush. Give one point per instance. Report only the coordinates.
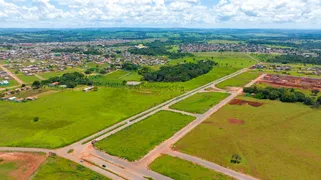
(35, 119)
(288, 97)
(308, 101)
(260, 95)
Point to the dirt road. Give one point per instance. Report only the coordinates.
(12, 75)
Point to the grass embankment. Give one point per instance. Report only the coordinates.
(275, 141)
(240, 80)
(176, 168)
(200, 102)
(67, 116)
(137, 140)
(59, 168)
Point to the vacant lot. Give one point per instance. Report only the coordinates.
(27, 79)
(200, 102)
(228, 63)
(176, 168)
(275, 140)
(48, 75)
(60, 168)
(17, 165)
(240, 80)
(67, 116)
(137, 140)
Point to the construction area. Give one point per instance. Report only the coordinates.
(291, 81)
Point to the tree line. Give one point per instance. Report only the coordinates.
(289, 95)
(71, 80)
(289, 58)
(180, 72)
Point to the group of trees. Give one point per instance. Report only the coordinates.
(295, 59)
(130, 66)
(160, 50)
(71, 80)
(180, 72)
(283, 94)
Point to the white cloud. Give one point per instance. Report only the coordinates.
(158, 12)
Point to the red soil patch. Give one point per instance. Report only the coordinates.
(235, 121)
(27, 163)
(243, 102)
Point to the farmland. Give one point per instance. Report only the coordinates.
(266, 135)
(240, 80)
(200, 102)
(69, 115)
(135, 141)
(59, 168)
(176, 168)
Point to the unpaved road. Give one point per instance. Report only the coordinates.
(12, 75)
(117, 168)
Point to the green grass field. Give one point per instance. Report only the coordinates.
(276, 141)
(48, 75)
(200, 102)
(67, 116)
(59, 168)
(27, 79)
(240, 80)
(179, 169)
(137, 140)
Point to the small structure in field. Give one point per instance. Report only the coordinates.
(54, 84)
(133, 83)
(87, 89)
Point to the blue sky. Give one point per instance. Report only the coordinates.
(298, 14)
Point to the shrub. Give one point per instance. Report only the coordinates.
(35, 119)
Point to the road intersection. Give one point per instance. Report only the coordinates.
(83, 151)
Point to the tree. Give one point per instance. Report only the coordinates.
(35, 119)
(288, 97)
(36, 85)
(102, 71)
(88, 71)
(124, 82)
(308, 101)
(315, 92)
(300, 96)
(23, 85)
(319, 100)
(236, 159)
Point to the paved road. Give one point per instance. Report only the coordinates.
(165, 146)
(12, 75)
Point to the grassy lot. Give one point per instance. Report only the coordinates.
(27, 79)
(67, 116)
(59, 168)
(228, 63)
(200, 102)
(12, 83)
(240, 80)
(114, 77)
(176, 168)
(132, 76)
(137, 140)
(48, 75)
(275, 141)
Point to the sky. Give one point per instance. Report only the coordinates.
(276, 14)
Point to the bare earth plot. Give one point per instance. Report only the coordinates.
(137, 140)
(20, 166)
(176, 168)
(275, 140)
